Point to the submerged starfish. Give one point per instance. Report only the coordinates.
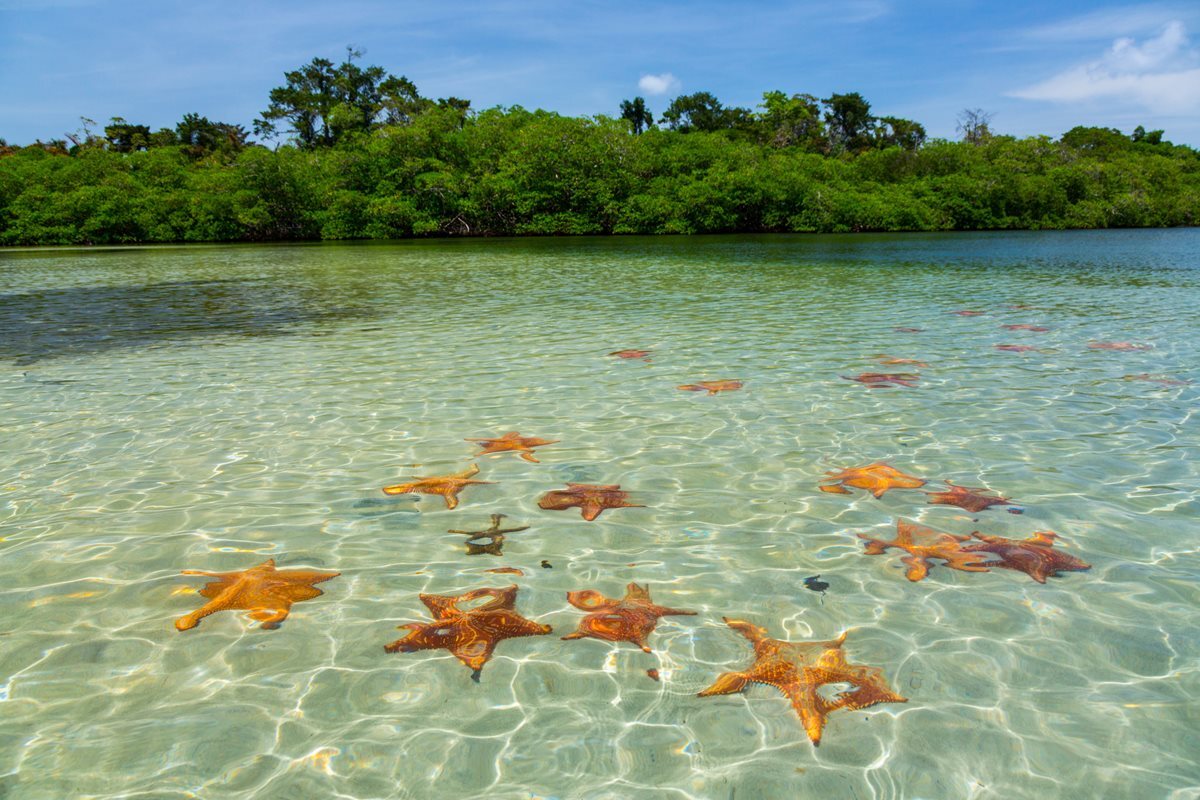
(632, 354)
(590, 498)
(1117, 346)
(970, 499)
(494, 536)
(903, 329)
(884, 380)
(1025, 326)
(630, 619)
(448, 486)
(1159, 379)
(967, 313)
(267, 593)
(889, 360)
(799, 670)
(876, 478)
(712, 387)
(1015, 348)
(469, 634)
(515, 442)
(921, 544)
(1034, 556)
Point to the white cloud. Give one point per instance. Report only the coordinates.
(1161, 74)
(659, 84)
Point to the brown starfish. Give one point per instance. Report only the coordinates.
(1124, 346)
(630, 619)
(631, 353)
(903, 329)
(1159, 379)
(921, 544)
(888, 360)
(712, 387)
(506, 571)
(799, 670)
(967, 313)
(448, 486)
(494, 536)
(877, 478)
(592, 499)
(884, 380)
(1033, 556)
(1025, 326)
(267, 593)
(1015, 348)
(469, 634)
(970, 499)
(515, 442)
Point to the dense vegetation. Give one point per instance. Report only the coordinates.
(367, 157)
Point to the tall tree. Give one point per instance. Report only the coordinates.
(849, 119)
(199, 136)
(702, 112)
(638, 115)
(792, 121)
(974, 125)
(899, 132)
(125, 137)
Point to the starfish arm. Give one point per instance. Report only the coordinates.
(440, 605)
(399, 488)
(591, 510)
(451, 499)
(834, 489)
(529, 457)
(918, 567)
(556, 501)
(810, 707)
(270, 617)
(727, 683)
(874, 547)
(1042, 538)
(663, 611)
(589, 600)
(189, 621)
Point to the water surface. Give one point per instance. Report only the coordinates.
(210, 407)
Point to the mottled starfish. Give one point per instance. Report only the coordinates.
(1123, 346)
(971, 499)
(1159, 379)
(921, 544)
(877, 478)
(712, 387)
(267, 593)
(799, 670)
(632, 354)
(1025, 326)
(891, 361)
(448, 486)
(490, 541)
(906, 329)
(515, 442)
(591, 499)
(470, 634)
(1015, 348)
(1034, 556)
(630, 619)
(885, 380)
(967, 313)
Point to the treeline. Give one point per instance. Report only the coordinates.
(367, 157)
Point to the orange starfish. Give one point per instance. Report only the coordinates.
(884, 380)
(592, 499)
(921, 544)
(630, 619)
(712, 387)
(1015, 348)
(877, 478)
(265, 592)
(1033, 556)
(1025, 326)
(469, 634)
(631, 354)
(448, 486)
(1125, 346)
(490, 541)
(515, 442)
(799, 670)
(970, 499)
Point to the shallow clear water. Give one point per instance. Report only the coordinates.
(208, 407)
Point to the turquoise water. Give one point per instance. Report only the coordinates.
(206, 408)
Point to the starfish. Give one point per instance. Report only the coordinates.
(970, 499)
(712, 387)
(888, 360)
(799, 670)
(1015, 348)
(903, 329)
(1117, 346)
(506, 570)
(1024, 326)
(632, 354)
(592, 499)
(877, 478)
(515, 442)
(448, 486)
(921, 544)
(469, 634)
(967, 313)
(884, 380)
(494, 536)
(1033, 556)
(265, 592)
(1163, 380)
(630, 619)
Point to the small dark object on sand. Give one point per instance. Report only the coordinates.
(814, 583)
(547, 564)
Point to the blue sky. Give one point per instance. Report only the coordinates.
(1039, 67)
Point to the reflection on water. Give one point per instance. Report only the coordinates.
(150, 426)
